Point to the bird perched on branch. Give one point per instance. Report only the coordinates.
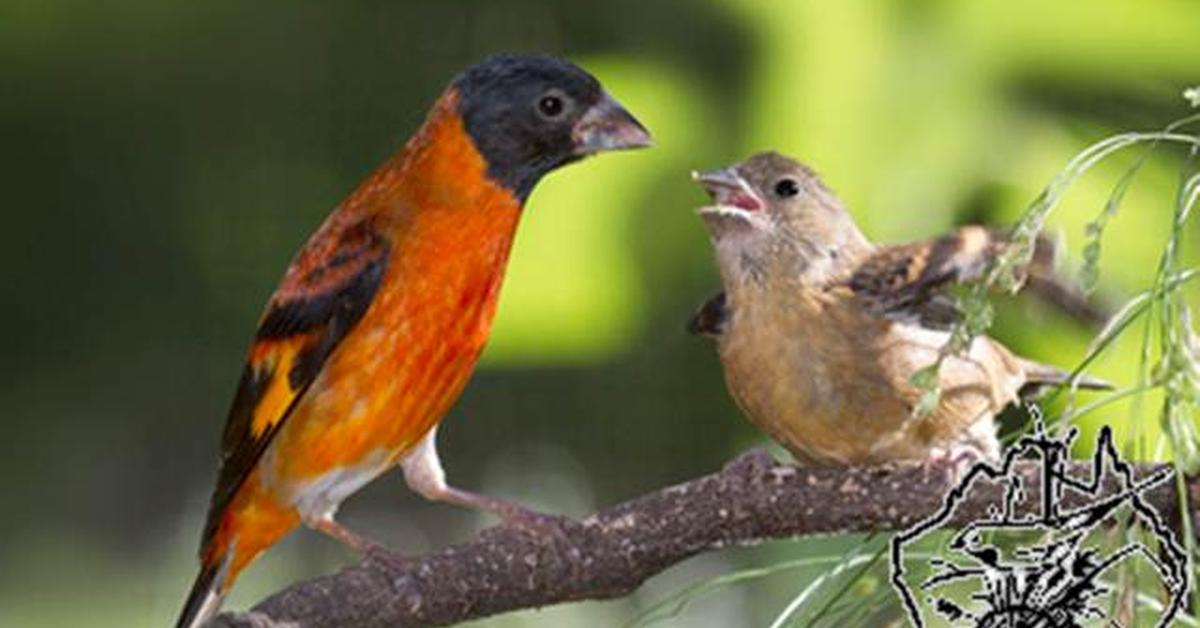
(821, 332)
(379, 320)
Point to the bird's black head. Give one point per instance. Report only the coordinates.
(528, 115)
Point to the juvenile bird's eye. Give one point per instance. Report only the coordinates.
(551, 105)
(787, 187)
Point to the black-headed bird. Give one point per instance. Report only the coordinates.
(378, 322)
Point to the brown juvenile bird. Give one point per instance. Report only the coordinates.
(820, 331)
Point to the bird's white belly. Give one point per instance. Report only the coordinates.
(319, 497)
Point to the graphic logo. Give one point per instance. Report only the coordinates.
(1028, 563)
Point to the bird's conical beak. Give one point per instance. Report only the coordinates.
(718, 182)
(608, 126)
(728, 189)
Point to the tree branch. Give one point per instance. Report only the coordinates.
(610, 554)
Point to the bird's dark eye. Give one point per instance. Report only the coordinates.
(787, 187)
(551, 105)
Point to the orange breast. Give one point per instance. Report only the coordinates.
(398, 372)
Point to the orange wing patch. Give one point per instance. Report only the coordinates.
(268, 358)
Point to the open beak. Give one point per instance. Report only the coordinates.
(729, 190)
(608, 126)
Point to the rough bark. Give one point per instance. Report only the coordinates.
(610, 554)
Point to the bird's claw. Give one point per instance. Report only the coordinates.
(953, 462)
(536, 523)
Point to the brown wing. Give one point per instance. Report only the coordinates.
(712, 317)
(324, 293)
(902, 282)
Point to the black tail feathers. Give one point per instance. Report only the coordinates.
(204, 601)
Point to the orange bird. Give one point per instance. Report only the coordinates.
(380, 318)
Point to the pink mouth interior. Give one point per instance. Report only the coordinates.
(738, 198)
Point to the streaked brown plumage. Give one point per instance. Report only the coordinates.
(820, 331)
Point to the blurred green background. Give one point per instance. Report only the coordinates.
(161, 162)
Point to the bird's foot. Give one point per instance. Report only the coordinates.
(512, 514)
(953, 462)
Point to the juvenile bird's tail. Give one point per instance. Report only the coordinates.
(1040, 377)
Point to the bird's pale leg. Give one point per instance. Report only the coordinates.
(357, 542)
(955, 461)
(424, 474)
